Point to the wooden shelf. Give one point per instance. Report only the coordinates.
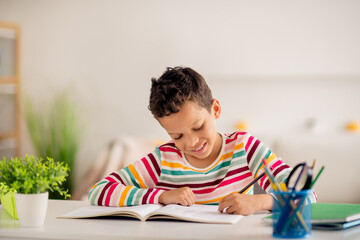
(11, 26)
(12, 31)
(7, 80)
(7, 135)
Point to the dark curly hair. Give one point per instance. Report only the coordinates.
(176, 86)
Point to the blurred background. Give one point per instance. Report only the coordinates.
(286, 71)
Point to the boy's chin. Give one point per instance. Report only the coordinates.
(200, 156)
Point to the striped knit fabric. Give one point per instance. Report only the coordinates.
(166, 168)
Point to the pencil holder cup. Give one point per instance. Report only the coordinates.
(292, 214)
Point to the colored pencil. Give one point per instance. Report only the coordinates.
(275, 185)
(317, 176)
(252, 183)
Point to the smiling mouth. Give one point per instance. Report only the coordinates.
(199, 149)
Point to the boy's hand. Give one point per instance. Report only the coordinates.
(244, 204)
(183, 196)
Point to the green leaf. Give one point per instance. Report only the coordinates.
(33, 175)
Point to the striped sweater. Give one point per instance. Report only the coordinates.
(166, 168)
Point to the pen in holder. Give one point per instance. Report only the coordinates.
(292, 214)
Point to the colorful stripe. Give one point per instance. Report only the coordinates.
(165, 168)
(124, 195)
(136, 176)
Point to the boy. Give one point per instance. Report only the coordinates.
(199, 165)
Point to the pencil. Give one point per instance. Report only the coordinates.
(252, 182)
(275, 185)
(317, 176)
(314, 163)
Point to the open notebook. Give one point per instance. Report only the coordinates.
(194, 213)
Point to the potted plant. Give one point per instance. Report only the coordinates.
(30, 179)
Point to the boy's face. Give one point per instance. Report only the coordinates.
(193, 130)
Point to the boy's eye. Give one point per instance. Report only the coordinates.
(177, 138)
(197, 129)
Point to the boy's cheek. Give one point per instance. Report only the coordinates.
(179, 146)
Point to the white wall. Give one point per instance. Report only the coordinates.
(273, 64)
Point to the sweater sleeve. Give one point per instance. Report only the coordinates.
(132, 185)
(256, 151)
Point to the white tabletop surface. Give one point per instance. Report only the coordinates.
(250, 227)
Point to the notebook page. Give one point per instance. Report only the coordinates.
(201, 213)
(95, 211)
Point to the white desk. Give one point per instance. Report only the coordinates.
(250, 227)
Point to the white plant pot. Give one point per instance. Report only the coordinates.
(31, 208)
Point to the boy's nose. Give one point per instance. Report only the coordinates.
(192, 141)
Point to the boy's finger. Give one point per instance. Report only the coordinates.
(183, 202)
(187, 201)
(230, 210)
(225, 203)
(190, 202)
(222, 205)
(190, 196)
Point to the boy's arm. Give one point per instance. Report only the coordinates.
(132, 185)
(245, 204)
(255, 153)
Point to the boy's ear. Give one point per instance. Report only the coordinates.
(216, 108)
